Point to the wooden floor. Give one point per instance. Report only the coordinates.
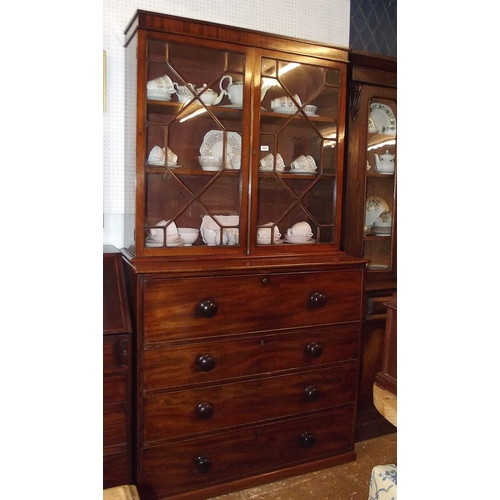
(344, 482)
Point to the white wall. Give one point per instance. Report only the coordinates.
(324, 21)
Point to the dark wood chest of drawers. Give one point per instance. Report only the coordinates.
(117, 344)
(244, 376)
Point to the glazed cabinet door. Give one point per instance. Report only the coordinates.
(371, 212)
(297, 167)
(379, 227)
(192, 99)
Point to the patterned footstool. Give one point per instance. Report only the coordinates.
(384, 483)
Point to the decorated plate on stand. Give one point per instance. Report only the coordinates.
(374, 207)
(383, 118)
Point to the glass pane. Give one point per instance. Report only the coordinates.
(298, 151)
(380, 185)
(193, 142)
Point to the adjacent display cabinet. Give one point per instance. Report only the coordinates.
(370, 212)
(247, 335)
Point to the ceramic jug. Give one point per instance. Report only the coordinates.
(184, 92)
(234, 90)
(384, 164)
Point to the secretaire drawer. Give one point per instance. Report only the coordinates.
(197, 411)
(180, 308)
(200, 362)
(176, 467)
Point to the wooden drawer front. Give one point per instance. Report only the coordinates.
(114, 425)
(376, 308)
(177, 365)
(114, 387)
(247, 303)
(170, 469)
(115, 351)
(116, 470)
(190, 412)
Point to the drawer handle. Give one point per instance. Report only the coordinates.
(317, 299)
(307, 440)
(207, 308)
(205, 362)
(204, 410)
(203, 464)
(314, 349)
(311, 393)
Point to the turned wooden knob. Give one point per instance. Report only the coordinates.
(207, 308)
(203, 464)
(204, 410)
(311, 393)
(205, 362)
(307, 440)
(314, 349)
(317, 299)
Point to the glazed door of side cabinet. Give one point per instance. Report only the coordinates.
(371, 212)
(192, 128)
(298, 163)
(379, 241)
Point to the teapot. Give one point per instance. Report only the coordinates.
(208, 96)
(385, 163)
(234, 90)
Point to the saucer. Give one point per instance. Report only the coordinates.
(302, 171)
(267, 241)
(299, 240)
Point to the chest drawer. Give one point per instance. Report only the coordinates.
(199, 307)
(215, 360)
(213, 408)
(242, 453)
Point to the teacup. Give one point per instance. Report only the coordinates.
(300, 229)
(285, 102)
(385, 217)
(157, 156)
(304, 163)
(160, 88)
(267, 162)
(171, 157)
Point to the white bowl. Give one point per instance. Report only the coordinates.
(310, 109)
(210, 163)
(189, 235)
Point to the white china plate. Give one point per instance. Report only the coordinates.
(213, 143)
(383, 117)
(174, 242)
(310, 114)
(302, 171)
(374, 207)
(235, 106)
(162, 164)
